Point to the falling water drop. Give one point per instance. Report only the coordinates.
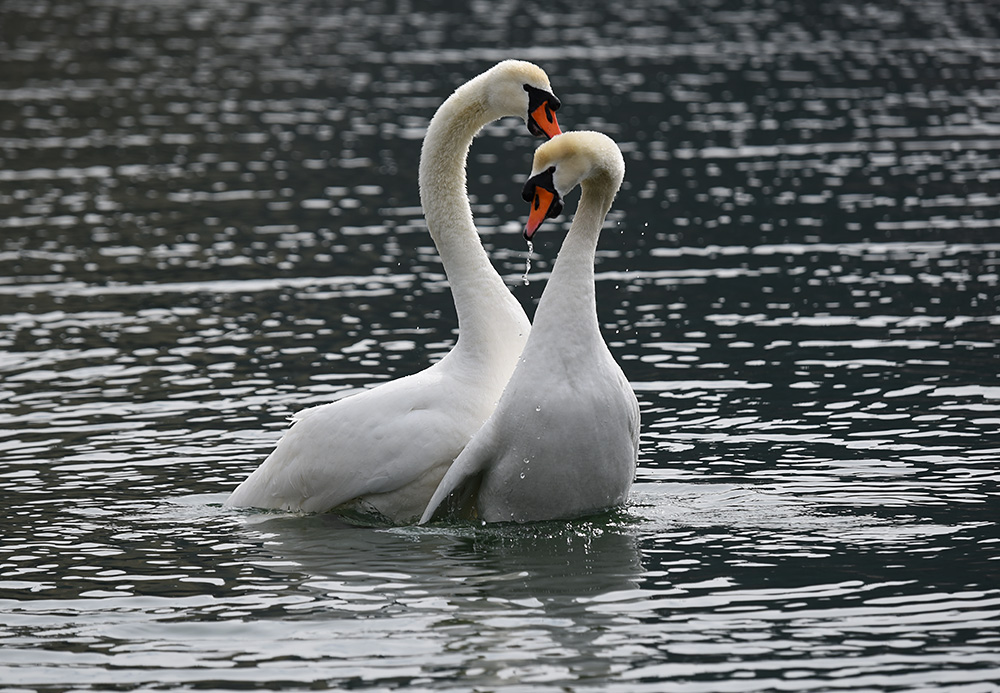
(527, 264)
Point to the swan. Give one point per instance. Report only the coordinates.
(383, 451)
(564, 439)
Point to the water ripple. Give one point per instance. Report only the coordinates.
(210, 219)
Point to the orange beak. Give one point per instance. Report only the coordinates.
(539, 208)
(545, 118)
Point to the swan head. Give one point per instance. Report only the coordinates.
(519, 88)
(571, 159)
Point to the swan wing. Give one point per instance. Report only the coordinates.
(459, 487)
(373, 442)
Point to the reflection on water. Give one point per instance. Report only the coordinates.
(209, 219)
(694, 582)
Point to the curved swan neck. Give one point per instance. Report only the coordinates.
(570, 293)
(487, 311)
(442, 168)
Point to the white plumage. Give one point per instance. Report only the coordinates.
(387, 448)
(563, 441)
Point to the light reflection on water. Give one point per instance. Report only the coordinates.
(209, 219)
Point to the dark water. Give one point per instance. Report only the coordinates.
(209, 219)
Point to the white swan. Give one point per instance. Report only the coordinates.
(564, 439)
(386, 449)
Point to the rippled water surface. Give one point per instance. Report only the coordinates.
(209, 219)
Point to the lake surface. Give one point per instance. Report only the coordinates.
(209, 219)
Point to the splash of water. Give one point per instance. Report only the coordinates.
(527, 264)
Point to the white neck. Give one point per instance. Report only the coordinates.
(489, 317)
(568, 304)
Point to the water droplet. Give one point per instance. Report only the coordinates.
(527, 263)
(538, 408)
(522, 475)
